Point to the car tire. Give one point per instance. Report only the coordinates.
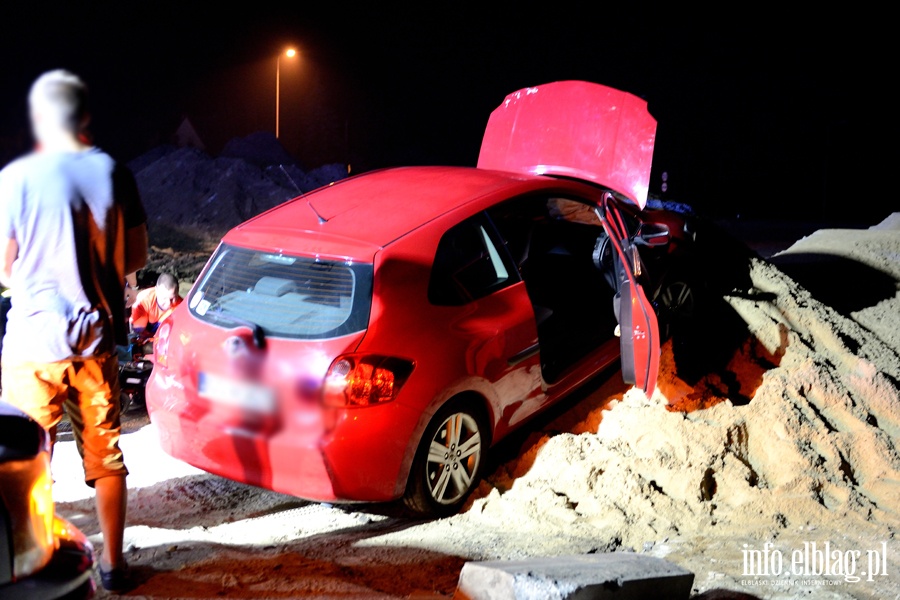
(676, 303)
(440, 482)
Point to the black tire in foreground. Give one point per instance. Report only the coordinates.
(676, 302)
(449, 460)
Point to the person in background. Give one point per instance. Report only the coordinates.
(72, 226)
(131, 290)
(153, 305)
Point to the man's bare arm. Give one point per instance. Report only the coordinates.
(8, 254)
(136, 242)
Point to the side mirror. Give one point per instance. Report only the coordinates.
(652, 234)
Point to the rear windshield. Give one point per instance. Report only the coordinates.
(284, 296)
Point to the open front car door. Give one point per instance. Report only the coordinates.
(604, 136)
(638, 327)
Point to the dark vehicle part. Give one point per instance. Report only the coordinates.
(676, 301)
(42, 556)
(135, 366)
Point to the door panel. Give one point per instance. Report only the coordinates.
(473, 270)
(639, 330)
(503, 348)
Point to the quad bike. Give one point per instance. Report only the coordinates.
(135, 365)
(135, 358)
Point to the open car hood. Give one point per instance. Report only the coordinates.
(574, 129)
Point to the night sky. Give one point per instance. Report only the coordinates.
(758, 111)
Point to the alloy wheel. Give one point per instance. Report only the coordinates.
(453, 458)
(677, 299)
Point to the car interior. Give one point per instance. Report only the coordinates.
(553, 242)
(285, 295)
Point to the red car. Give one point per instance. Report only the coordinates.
(372, 340)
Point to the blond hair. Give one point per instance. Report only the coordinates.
(62, 96)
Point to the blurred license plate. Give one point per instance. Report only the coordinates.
(240, 394)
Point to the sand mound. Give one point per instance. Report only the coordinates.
(855, 271)
(891, 222)
(798, 427)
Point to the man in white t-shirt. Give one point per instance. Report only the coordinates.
(71, 227)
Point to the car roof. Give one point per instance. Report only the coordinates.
(360, 214)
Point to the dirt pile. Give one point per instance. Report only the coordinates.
(192, 198)
(188, 188)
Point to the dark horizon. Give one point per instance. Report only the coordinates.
(752, 113)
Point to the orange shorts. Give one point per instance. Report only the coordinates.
(88, 391)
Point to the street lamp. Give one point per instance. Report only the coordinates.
(289, 53)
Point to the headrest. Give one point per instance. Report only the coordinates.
(274, 286)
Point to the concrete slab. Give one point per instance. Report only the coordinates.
(616, 575)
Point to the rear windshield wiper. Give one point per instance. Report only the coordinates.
(259, 336)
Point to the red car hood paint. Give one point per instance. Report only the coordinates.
(574, 129)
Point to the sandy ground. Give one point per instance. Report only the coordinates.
(766, 463)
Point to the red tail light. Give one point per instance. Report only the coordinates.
(364, 380)
(161, 347)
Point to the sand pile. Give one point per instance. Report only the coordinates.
(818, 439)
(798, 426)
(855, 271)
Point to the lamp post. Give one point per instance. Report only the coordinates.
(289, 53)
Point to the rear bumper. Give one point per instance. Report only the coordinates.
(68, 574)
(346, 455)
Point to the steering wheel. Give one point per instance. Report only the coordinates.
(602, 254)
(603, 260)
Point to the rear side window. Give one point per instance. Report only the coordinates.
(285, 296)
(469, 264)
